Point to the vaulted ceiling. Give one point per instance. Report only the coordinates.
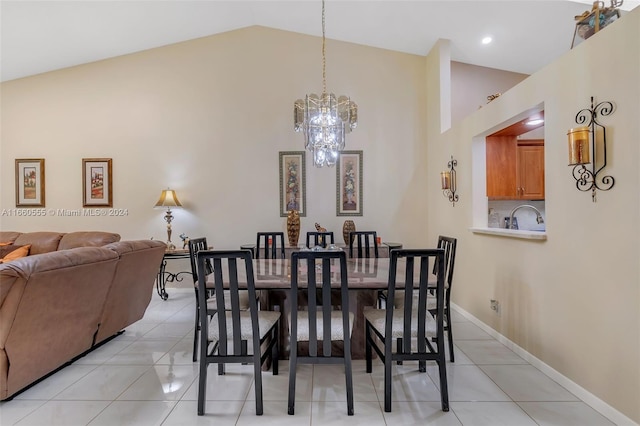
(41, 36)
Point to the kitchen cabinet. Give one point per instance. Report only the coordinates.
(515, 168)
(530, 171)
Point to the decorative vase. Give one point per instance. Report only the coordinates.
(348, 227)
(293, 227)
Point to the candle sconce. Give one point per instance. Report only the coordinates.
(591, 136)
(449, 181)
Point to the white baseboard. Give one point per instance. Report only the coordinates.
(593, 401)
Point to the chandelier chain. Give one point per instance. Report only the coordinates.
(324, 59)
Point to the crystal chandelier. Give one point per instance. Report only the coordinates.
(324, 119)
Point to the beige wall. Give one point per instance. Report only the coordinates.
(573, 301)
(471, 84)
(207, 118)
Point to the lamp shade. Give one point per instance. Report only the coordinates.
(168, 198)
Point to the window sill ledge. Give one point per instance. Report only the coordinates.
(512, 233)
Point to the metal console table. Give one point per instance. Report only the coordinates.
(165, 276)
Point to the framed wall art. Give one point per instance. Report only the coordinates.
(30, 182)
(292, 182)
(349, 184)
(97, 188)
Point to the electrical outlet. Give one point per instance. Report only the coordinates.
(495, 306)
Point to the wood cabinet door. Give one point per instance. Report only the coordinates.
(530, 172)
(501, 167)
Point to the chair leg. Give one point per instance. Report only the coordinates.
(275, 356)
(195, 335)
(444, 389)
(257, 372)
(450, 335)
(387, 382)
(202, 385)
(293, 361)
(348, 372)
(243, 349)
(367, 347)
(399, 349)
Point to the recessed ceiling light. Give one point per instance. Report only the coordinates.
(487, 40)
(534, 122)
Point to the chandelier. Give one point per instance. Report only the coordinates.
(325, 119)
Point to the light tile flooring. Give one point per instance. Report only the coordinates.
(146, 377)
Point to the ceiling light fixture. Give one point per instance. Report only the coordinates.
(487, 40)
(324, 119)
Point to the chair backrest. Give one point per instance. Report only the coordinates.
(449, 246)
(319, 295)
(319, 238)
(364, 241)
(273, 250)
(195, 245)
(229, 280)
(415, 315)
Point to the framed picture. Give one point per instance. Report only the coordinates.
(349, 184)
(30, 182)
(293, 191)
(97, 188)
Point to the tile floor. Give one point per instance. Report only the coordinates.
(146, 377)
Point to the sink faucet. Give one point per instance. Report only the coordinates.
(539, 218)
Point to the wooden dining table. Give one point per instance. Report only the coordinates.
(365, 276)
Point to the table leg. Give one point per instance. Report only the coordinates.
(161, 282)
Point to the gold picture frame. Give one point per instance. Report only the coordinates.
(30, 182)
(349, 184)
(293, 193)
(97, 182)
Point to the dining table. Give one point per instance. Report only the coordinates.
(365, 276)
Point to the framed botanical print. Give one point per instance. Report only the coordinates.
(30, 182)
(292, 182)
(349, 184)
(97, 188)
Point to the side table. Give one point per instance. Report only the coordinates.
(164, 276)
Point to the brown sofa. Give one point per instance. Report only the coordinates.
(74, 291)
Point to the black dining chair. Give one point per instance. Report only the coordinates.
(223, 338)
(365, 242)
(195, 245)
(272, 244)
(412, 321)
(319, 238)
(448, 244)
(319, 324)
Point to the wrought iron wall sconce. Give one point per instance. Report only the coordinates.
(450, 182)
(590, 137)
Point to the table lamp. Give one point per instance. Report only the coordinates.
(168, 199)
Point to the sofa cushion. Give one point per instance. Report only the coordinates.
(8, 236)
(87, 239)
(41, 242)
(13, 251)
